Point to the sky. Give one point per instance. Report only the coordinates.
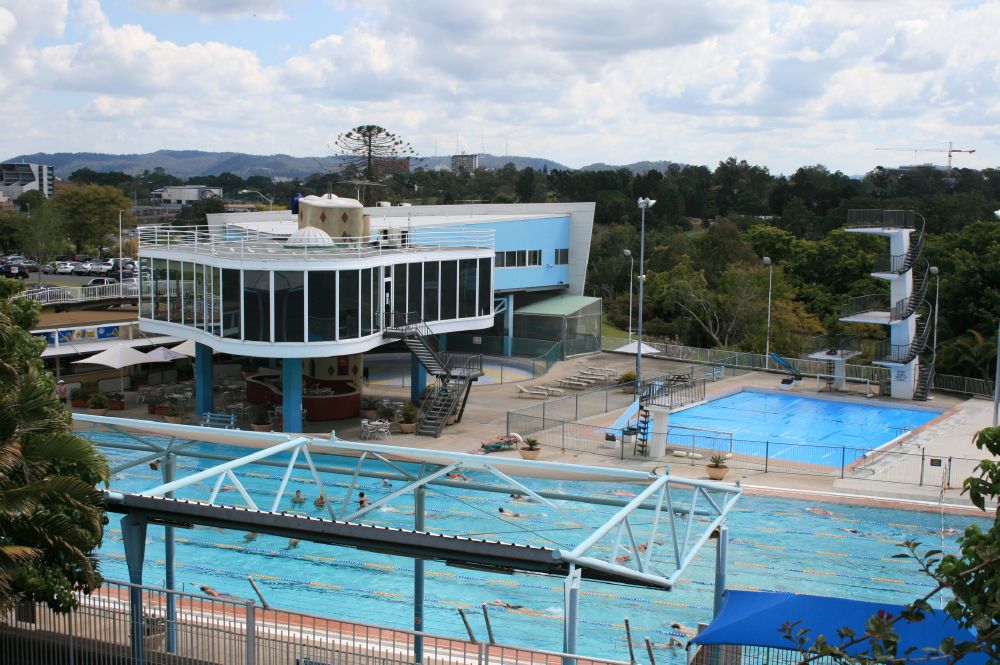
(782, 84)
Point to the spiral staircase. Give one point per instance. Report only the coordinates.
(905, 310)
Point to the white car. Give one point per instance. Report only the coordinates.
(65, 268)
(102, 268)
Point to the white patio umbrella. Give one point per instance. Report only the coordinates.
(185, 348)
(162, 354)
(117, 357)
(633, 347)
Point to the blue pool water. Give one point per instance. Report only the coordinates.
(775, 544)
(795, 428)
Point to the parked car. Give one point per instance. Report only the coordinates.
(15, 271)
(101, 267)
(102, 281)
(82, 268)
(132, 282)
(50, 267)
(32, 266)
(67, 267)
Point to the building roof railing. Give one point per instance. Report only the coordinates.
(876, 218)
(238, 242)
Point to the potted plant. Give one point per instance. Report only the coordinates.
(260, 420)
(386, 412)
(408, 419)
(530, 449)
(174, 414)
(151, 403)
(161, 408)
(78, 397)
(627, 381)
(97, 405)
(717, 467)
(368, 407)
(116, 401)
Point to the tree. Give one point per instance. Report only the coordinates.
(367, 147)
(90, 213)
(51, 514)
(41, 234)
(194, 213)
(972, 577)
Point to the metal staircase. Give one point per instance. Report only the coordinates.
(905, 353)
(455, 372)
(642, 433)
(905, 308)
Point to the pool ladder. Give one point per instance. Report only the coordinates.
(642, 435)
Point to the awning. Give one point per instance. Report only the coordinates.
(754, 618)
(80, 348)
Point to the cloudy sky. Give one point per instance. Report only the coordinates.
(779, 83)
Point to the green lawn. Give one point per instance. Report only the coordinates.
(608, 330)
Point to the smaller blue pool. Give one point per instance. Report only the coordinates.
(828, 432)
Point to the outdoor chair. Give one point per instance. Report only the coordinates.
(369, 430)
(531, 392)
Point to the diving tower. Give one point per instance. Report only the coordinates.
(904, 309)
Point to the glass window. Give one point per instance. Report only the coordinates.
(431, 294)
(257, 305)
(289, 305)
(399, 293)
(187, 293)
(348, 310)
(485, 288)
(415, 279)
(214, 319)
(449, 289)
(366, 302)
(467, 288)
(322, 306)
(173, 291)
(159, 288)
(500, 259)
(534, 257)
(562, 257)
(198, 295)
(231, 303)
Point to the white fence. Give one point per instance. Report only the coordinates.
(58, 295)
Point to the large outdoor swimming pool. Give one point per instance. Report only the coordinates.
(775, 544)
(812, 430)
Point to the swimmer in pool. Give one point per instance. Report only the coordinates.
(508, 513)
(298, 498)
(504, 604)
(363, 501)
(622, 493)
(682, 629)
(209, 591)
(249, 537)
(292, 543)
(386, 484)
(320, 501)
(818, 511)
(457, 476)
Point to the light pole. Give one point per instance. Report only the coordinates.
(767, 338)
(269, 199)
(121, 246)
(631, 269)
(643, 205)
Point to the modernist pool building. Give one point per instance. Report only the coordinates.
(314, 288)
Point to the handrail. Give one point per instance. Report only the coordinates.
(840, 344)
(905, 307)
(905, 353)
(77, 294)
(876, 302)
(887, 219)
(230, 241)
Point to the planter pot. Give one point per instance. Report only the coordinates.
(452, 419)
(370, 414)
(116, 406)
(265, 427)
(150, 408)
(717, 472)
(161, 410)
(407, 428)
(177, 420)
(628, 390)
(529, 454)
(97, 412)
(78, 403)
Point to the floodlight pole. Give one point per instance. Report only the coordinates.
(643, 203)
(169, 557)
(121, 252)
(269, 199)
(721, 561)
(631, 271)
(767, 338)
(419, 494)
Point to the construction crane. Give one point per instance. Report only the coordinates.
(950, 150)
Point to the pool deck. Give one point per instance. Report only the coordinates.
(485, 418)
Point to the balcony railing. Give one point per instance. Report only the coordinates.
(905, 307)
(871, 303)
(836, 345)
(232, 242)
(887, 219)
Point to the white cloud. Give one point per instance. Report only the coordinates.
(779, 83)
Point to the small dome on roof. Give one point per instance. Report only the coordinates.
(309, 236)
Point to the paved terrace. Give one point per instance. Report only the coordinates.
(486, 414)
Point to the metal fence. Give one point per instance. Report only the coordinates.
(193, 629)
(963, 384)
(79, 294)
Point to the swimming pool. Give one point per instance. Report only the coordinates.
(795, 428)
(776, 544)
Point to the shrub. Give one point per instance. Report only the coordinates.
(717, 461)
(258, 415)
(532, 444)
(626, 377)
(409, 414)
(98, 401)
(386, 412)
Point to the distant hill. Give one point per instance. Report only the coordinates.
(189, 163)
(638, 168)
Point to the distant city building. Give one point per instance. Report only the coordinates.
(185, 194)
(461, 163)
(280, 178)
(16, 179)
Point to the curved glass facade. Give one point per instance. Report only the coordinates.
(316, 305)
